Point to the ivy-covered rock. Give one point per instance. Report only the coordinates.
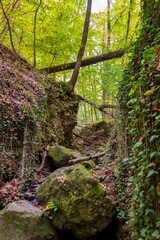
(21, 221)
(76, 201)
(59, 155)
(36, 111)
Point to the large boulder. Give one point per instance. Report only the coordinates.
(59, 156)
(21, 221)
(77, 201)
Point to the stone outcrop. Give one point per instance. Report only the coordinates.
(21, 221)
(35, 111)
(78, 201)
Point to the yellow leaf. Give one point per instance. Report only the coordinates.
(148, 92)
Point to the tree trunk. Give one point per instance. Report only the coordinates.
(82, 48)
(108, 40)
(86, 62)
(34, 33)
(128, 20)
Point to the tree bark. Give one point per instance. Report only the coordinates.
(86, 62)
(82, 48)
(91, 157)
(128, 20)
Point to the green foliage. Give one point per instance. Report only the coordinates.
(139, 94)
(58, 33)
(51, 206)
(58, 29)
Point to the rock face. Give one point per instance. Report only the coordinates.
(59, 155)
(21, 221)
(33, 112)
(82, 204)
(60, 115)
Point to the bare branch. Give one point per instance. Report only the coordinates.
(91, 157)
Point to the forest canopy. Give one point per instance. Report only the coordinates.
(60, 56)
(48, 34)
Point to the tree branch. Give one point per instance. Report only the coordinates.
(86, 62)
(44, 155)
(91, 157)
(100, 108)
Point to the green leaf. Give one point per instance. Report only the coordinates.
(153, 138)
(147, 211)
(132, 101)
(154, 154)
(151, 165)
(151, 172)
(156, 234)
(143, 232)
(158, 224)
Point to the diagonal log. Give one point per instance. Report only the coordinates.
(91, 157)
(100, 108)
(86, 62)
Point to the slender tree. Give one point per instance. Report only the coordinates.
(9, 26)
(128, 20)
(82, 47)
(34, 32)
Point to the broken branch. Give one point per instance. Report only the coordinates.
(44, 155)
(91, 157)
(100, 108)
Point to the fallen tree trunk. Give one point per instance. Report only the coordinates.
(91, 157)
(100, 108)
(85, 139)
(86, 62)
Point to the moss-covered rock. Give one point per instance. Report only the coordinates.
(21, 221)
(60, 115)
(59, 156)
(82, 204)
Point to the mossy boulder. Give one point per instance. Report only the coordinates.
(59, 156)
(81, 203)
(21, 221)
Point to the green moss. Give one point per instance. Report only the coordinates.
(79, 198)
(66, 86)
(89, 164)
(58, 153)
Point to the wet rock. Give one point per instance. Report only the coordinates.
(79, 202)
(21, 221)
